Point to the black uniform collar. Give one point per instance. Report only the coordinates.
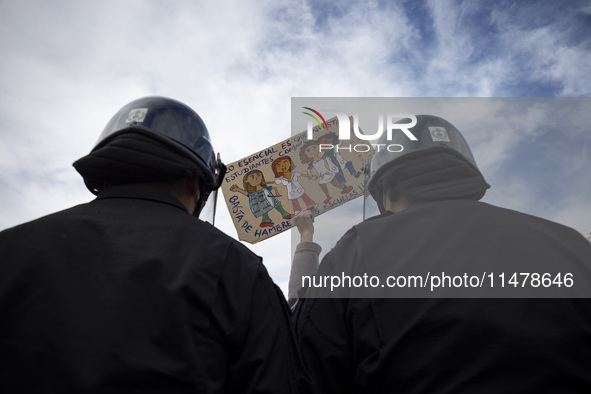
(140, 192)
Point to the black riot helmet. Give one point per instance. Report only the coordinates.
(151, 124)
(437, 165)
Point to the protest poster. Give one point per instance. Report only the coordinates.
(266, 190)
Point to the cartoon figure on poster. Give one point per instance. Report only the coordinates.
(310, 154)
(337, 175)
(335, 157)
(260, 197)
(284, 174)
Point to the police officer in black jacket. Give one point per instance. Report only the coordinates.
(132, 292)
(378, 331)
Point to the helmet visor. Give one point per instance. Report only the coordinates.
(207, 213)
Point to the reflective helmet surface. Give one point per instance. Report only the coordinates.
(172, 123)
(433, 134)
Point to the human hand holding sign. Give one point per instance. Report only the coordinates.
(304, 222)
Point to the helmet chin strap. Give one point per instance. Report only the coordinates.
(200, 202)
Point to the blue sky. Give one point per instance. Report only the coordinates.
(68, 66)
